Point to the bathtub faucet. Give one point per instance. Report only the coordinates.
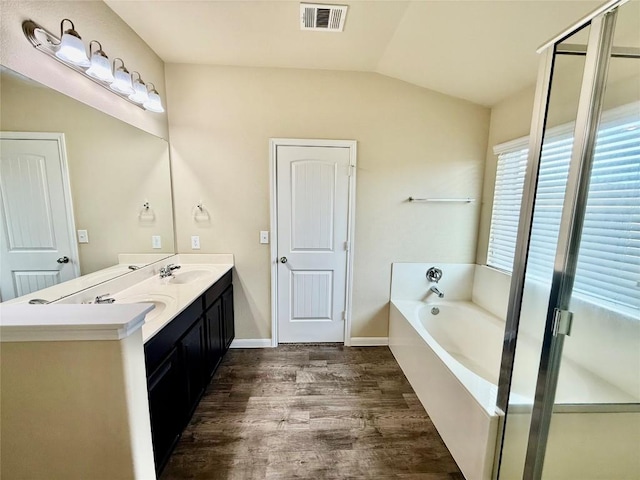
(435, 290)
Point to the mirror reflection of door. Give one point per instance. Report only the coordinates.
(37, 244)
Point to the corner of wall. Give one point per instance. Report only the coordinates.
(491, 290)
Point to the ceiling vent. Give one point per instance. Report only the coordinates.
(326, 18)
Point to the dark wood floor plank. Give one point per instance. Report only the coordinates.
(308, 411)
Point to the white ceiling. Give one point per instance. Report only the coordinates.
(479, 50)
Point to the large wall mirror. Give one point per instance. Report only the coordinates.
(79, 190)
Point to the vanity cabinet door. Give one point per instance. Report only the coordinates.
(166, 403)
(213, 324)
(228, 328)
(193, 359)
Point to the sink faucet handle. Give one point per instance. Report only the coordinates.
(104, 299)
(172, 266)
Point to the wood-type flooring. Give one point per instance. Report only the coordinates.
(310, 411)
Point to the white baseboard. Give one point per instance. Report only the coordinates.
(266, 342)
(251, 343)
(369, 341)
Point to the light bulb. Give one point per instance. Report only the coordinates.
(154, 104)
(72, 50)
(100, 67)
(122, 82)
(140, 94)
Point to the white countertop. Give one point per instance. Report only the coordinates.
(37, 323)
(137, 294)
(174, 297)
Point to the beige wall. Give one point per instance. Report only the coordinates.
(114, 168)
(411, 141)
(75, 410)
(93, 20)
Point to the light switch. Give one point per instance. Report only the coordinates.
(83, 236)
(264, 236)
(195, 242)
(156, 241)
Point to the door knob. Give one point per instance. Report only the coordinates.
(63, 260)
(283, 259)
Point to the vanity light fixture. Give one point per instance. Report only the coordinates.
(71, 48)
(122, 82)
(100, 66)
(70, 51)
(140, 94)
(154, 103)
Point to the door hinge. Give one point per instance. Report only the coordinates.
(346, 246)
(344, 316)
(350, 170)
(562, 320)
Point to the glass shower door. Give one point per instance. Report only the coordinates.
(551, 173)
(571, 367)
(594, 429)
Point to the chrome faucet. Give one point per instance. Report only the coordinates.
(168, 270)
(104, 299)
(434, 275)
(435, 290)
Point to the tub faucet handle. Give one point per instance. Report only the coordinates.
(434, 274)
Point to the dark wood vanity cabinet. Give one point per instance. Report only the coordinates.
(213, 327)
(228, 328)
(181, 359)
(164, 401)
(192, 350)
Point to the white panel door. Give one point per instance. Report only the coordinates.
(312, 207)
(35, 237)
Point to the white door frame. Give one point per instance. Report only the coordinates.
(297, 142)
(66, 184)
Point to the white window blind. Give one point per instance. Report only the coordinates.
(609, 259)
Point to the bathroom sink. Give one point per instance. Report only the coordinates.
(188, 276)
(160, 303)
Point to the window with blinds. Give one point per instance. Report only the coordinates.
(609, 259)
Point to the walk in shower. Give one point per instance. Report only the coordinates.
(569, 387)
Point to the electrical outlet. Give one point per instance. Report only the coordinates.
(83, 236)
(156, 241)
(195, 242)
(264, 236)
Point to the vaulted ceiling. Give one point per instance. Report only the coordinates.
(478, 50)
